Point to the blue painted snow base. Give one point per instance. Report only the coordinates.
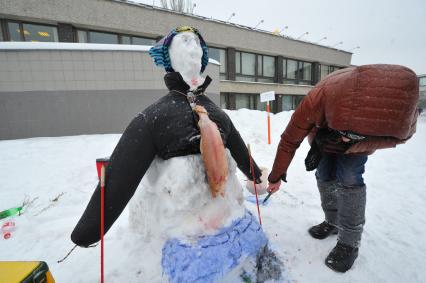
(215, 255)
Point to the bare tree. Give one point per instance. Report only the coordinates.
(164, 4)
(190, 7)
(178, 5)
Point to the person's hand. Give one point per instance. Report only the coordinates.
(274, 187)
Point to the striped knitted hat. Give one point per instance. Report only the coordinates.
(160, 51)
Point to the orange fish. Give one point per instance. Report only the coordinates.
(212, 152)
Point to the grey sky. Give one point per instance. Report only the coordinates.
(388, 31)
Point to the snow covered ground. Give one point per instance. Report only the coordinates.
(58, 175)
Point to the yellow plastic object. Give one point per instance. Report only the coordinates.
(25, 272)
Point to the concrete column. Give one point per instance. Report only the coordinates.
(3, 30)
(66, 33)
(278, 103)
(316, 75)
(230, 65)
(279, 69)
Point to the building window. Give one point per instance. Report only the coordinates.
(40, 33)
(290, 70)
(254, 67)
(142, 41)
(289, 102)
(422, 81)
(102, 37)
(326, 69)
(244, 101)
(237, 101)
(224, 103)
(248, 64)
(245, 64)
(297, 72)
(1, 34)
(307, 71)
(84, 36)
(265, 69)
(220, 56)
(19, 31)
(124, 39)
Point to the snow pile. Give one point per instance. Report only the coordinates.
(58, 176)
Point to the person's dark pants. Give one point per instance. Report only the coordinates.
(343, 194)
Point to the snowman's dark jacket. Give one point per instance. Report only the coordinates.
(167, 128)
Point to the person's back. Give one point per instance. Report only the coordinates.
(379, 101)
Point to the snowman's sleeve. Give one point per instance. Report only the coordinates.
(127, 165)
(240, 154)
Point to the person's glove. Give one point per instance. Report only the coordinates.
(313, 158)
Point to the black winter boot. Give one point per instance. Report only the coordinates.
(341, 258)
(322, 231)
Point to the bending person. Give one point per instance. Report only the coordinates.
(348, 115)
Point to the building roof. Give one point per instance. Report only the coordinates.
(224, 23)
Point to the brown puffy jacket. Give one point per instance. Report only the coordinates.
(378, 101)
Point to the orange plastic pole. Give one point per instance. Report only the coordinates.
(269, 122)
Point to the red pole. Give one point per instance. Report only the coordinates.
(101, 164)
(102, 219)
(269, 122)
(254, 184)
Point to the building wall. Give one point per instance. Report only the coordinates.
(73, 92)
(99, 81)
(422, 88)
(245, 87)
(143, 20)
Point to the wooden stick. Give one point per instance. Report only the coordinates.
(254, 183)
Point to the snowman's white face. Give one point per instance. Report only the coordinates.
(185, 53)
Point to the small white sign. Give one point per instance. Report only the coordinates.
(267, 96)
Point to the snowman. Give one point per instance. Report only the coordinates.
(180, 157)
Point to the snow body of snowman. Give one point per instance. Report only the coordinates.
(204, 238)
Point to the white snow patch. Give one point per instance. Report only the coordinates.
(15, 45)
(70, 46)
(392, 247)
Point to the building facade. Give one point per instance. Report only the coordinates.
(251, 61)
(422, 85)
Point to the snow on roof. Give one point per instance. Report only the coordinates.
(77, 46)
(69, 46)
